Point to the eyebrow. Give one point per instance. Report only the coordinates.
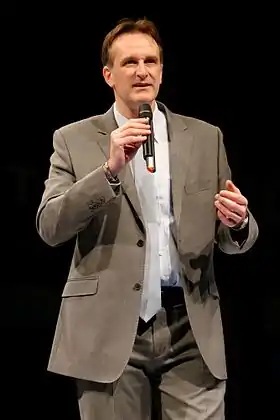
(133, 58)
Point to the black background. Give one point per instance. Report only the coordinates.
(220, 66)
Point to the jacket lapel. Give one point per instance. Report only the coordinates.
(180, 146)
(106, 124)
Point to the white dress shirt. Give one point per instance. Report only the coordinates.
(161, 263)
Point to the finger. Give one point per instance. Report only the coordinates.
(238, 198)
(231, 187)
(143, 131)
(232, 206)
(231, 216)
(137, 120)
(134, 146)
(130, 150)
(224, 220)
(135, 124)
(125, 141)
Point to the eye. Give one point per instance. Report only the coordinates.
(151, 61)
(130, 62)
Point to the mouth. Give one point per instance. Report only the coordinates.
(141, 85)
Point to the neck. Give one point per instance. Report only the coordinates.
(130, 110)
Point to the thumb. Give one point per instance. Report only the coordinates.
(231, 187)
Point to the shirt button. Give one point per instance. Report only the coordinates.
(140, 243)
(137, 286)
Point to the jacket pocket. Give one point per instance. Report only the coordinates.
(81, 287)
(197, 187)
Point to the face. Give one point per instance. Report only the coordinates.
(136, 71)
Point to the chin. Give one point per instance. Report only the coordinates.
(143, 98)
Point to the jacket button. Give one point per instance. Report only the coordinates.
(137, 286)
(140, 243)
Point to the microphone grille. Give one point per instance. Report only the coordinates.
(145, 111)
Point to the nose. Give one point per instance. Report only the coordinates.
(141, 70)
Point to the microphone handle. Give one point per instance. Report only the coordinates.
(149, 151)
(148, 147)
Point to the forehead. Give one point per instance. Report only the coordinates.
(136, 44)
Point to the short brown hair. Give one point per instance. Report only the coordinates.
(127, 25)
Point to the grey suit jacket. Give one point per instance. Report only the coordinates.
(100, 305)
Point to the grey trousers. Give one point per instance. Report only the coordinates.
(165, 379)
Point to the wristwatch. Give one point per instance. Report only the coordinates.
(243, 224)
(111, 179)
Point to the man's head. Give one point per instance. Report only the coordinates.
(132, 62)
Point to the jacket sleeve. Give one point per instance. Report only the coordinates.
(228, 240)
(67, 205)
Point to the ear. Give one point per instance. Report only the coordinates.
(160, 80)
(107, 74)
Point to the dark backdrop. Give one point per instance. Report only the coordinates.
(220, 66)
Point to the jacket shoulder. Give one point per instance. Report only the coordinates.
(79, 126)
(196, 123)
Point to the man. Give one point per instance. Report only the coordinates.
(139, 324)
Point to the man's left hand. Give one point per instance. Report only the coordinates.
(231, 205)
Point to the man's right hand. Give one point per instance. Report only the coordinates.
(125, 141)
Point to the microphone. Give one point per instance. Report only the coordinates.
(145, 111)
